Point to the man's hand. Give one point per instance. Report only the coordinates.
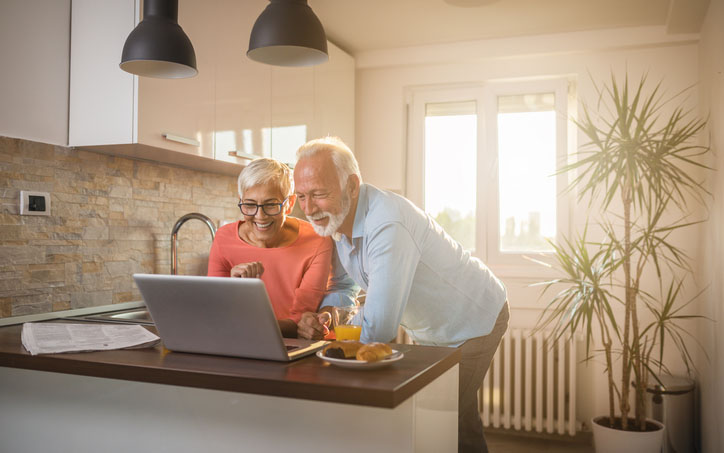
(313, 326)
(248, 270)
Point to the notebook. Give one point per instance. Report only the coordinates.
(218, 315)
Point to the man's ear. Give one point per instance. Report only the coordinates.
(290, 203)
(353, 185)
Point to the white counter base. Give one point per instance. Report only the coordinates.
(42, 411)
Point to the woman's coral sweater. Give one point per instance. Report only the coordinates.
(295, 276)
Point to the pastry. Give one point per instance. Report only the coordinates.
(342, 349)
(373, 352)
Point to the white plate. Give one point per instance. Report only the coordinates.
(361, 364)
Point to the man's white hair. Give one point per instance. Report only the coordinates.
(263, 171)
(342, 157)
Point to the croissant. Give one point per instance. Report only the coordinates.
(342, 349)
(373, 352)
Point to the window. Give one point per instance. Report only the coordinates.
(526, 129)
(482, 161)
(450, 138)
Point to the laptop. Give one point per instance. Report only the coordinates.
(218, 315)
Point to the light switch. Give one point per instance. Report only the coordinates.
(34, 203)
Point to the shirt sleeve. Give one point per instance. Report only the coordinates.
(218, 266)
(308, 295)
(392, 257)
(341, 289)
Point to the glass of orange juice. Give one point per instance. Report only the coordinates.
(347, 322)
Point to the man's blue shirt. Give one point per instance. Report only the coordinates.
(415, 275)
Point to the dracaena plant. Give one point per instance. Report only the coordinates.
(639, 168)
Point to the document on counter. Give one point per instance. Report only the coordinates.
(51, 338)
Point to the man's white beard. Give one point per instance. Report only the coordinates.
(335, 220)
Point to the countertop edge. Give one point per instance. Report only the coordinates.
(381, 398)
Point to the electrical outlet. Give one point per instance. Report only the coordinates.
(34, 203)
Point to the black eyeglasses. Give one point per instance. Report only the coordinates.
(250, 209)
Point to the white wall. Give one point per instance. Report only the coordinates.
(711, 394)
(384, 76)
(34, 64)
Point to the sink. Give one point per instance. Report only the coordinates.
(133, 316)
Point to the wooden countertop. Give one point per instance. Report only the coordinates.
(309, 378)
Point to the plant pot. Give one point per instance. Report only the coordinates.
(610, 440)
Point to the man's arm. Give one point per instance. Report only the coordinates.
(341, 289)
(392, 257)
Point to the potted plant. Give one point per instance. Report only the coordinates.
(639, 166)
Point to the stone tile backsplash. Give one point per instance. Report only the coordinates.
(110, 217)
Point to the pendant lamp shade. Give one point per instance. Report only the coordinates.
(158, 46)
(288, 33)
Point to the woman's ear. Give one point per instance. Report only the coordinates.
(290, 203)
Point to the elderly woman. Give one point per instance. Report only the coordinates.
(285, 252)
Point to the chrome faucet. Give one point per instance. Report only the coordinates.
(174, 235)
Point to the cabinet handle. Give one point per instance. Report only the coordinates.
(180, 139)
(243, 155)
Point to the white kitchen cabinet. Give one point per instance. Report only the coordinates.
(243, 86)
(311, 102)
(234, 106)
(292, 111)
(270, 111)
(167, 120)
(183, 108)
(334, 94)
(103, 98)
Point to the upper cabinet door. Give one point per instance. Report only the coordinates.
(292, 111)
(178, 114)
(334, 97)
(102, 96)
(243, 86)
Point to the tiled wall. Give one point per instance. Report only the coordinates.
(110, 217)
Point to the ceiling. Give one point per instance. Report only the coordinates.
(364, 25)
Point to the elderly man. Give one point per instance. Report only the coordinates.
(414, 274)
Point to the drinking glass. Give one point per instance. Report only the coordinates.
(347, 322)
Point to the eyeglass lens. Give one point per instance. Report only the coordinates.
(251, 209)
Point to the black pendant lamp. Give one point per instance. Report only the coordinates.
(288, 33)
(158, 46)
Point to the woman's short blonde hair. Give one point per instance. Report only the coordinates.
(265, 170)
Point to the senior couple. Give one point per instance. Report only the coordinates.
(414, 274)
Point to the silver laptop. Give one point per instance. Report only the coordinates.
(218, 315)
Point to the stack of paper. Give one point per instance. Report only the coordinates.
(50, 338)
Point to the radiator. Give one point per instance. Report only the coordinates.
(531, 384)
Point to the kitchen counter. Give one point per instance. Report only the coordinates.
(308, 378)
(398, 398)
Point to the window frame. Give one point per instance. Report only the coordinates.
(513, 264)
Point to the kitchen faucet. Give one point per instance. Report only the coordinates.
(174, 235)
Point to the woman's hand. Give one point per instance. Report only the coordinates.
(248, 270)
